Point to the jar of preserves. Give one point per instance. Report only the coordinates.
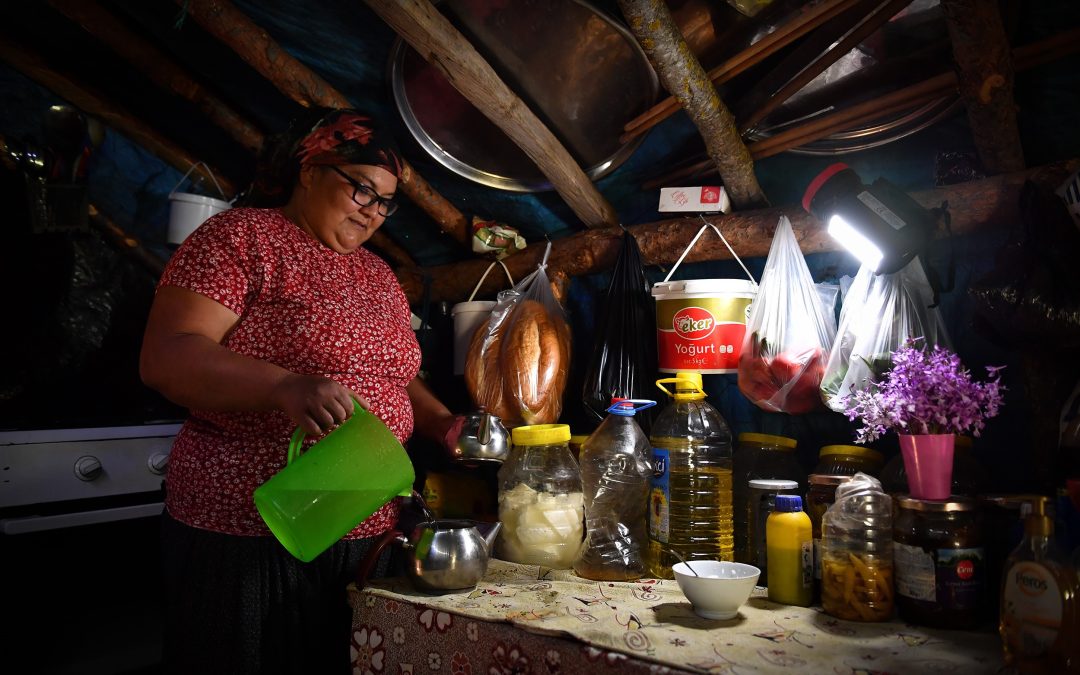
(940, 561)
(762, 493)
(856, 552)
(541, 504)
(819, 497)
(848, 460)
(758, 456)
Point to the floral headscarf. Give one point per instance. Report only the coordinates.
(348, 137)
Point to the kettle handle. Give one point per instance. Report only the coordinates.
(363, 570)
(296, 443)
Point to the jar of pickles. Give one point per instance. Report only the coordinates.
(856, 552)
(940, 561)
(819, 497)
(757, 456)
(541, 504)
(847, 460)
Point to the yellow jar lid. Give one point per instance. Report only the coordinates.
(853, 450)
(541, 434)
(578, 439)
(768, 439)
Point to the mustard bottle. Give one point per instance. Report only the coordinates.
(790, 551)
(1039, 604)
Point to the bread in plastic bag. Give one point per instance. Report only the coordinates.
(788, 334)
(881, 313)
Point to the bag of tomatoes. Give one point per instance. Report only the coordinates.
(788, 333)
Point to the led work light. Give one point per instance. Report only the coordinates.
(879, 224)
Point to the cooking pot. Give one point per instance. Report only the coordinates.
(440, 555)
(483, 439)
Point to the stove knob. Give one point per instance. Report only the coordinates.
(88, 468)
(157, 463)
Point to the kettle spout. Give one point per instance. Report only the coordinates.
(489, 531)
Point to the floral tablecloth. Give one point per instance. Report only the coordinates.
(526, 619)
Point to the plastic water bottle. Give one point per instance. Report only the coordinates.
(615, 473)
(690, 505)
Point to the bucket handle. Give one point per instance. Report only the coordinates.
(695, 241)
(484, 276)
(218, 186)
(659, 383)
(296, 443)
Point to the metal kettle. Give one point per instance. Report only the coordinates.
(483, 439)
(440, 555)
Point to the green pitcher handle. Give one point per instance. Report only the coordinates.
(297, 441)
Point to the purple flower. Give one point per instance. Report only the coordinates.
(925, 392)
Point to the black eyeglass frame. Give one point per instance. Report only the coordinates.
(386, 208)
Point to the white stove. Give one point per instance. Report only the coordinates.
(52, 479)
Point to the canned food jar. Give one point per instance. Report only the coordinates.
(856, 558)
(758, 456)
(848, 460)
(819, 497)
(762, 498)
(541, 504)
(940, 561)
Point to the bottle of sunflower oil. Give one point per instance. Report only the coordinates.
(690, 507)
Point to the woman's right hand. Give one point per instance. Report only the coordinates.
(316, 404)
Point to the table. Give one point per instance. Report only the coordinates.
(528, 619)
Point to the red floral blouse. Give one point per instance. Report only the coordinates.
(303, 307)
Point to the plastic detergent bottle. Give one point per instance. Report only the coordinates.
(790, 548)
(690, 506)
(1039, 603)
(615, 471)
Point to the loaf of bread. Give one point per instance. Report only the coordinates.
(518, 370)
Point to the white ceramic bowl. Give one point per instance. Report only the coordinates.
(720, 588)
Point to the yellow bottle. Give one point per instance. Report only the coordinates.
(790, 552)
(1039, 603)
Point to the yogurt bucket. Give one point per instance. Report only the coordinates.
(188, 211)
(700, 324)
(467, 317)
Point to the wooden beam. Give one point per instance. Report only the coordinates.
(974, 206)
(156, 65)
(686, 80)
(131, 246)
(228, 24)
(111, 115)
(439, 43)
(985, 71)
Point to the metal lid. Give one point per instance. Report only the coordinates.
(853, 450)
(773, 484)
(948, 505)
(780, 442)
(826, 479)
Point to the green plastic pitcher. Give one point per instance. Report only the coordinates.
(342, 479)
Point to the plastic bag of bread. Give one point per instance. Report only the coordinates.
(518, 360)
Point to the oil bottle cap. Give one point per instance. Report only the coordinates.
(541, 434)
(688, 387)
(788, 503)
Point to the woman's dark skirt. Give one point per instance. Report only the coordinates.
(245, 605)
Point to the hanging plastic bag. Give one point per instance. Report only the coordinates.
(788, 334)
(623, 362)
(518, 361)
(880, 314)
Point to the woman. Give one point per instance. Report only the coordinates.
(266, 319)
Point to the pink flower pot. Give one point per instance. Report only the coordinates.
(928, 462)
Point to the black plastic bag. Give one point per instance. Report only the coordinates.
(623, 361)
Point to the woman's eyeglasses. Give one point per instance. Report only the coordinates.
(365, 196)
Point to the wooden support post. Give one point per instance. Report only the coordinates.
(222, 20)
(157, 66)
(683, 76)
(436, 39)
(113, 116)
(126, 243)
(974, 206)
(985, 70)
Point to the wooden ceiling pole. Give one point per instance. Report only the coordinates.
(222, 20)
(156, 65)
(985, 69)
(436, 39)
(683, 77)
(974, 205)
(111, 115)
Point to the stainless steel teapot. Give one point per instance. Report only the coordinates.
(483, 439)
(440, 555)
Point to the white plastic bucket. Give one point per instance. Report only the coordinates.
(467, 318)
(700, 324)
(188, 211)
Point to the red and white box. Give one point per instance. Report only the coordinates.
(700, 199)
